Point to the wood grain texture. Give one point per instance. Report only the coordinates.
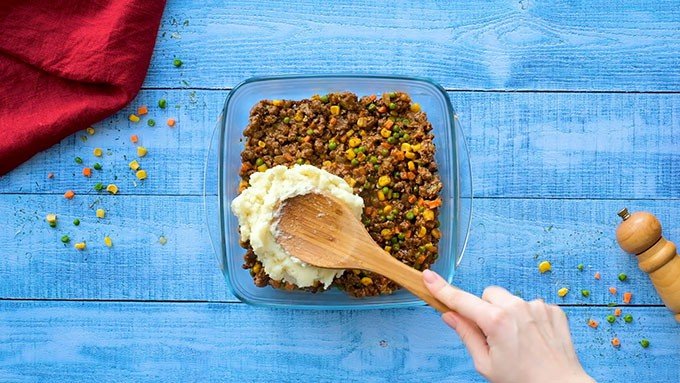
(509, 238)
(537, 145)
(52, 341)
(581, 45)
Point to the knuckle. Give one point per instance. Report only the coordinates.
(497, 318)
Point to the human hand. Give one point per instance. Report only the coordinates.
(509, 339)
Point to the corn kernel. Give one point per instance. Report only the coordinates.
(386, 233)
(351, 181)
(544, 267)
(51, 218)
(385, 132)
(90, 130)
(388, 248)
(406, 147)
(415, 107)
(262, 168)
(141, 174)
(141, 151)
(436, 233)
(277, 102)
(387, 209)
(366, 281)
(411, 165)
(416, 147)
(299, 116)
(422, 231)
(356, 272)
(242, 185)
(257, 267)
(384, 181)
(133, 118)
(354, 142)
(361, 122)
(562, 292)
(107, 241)
(101, 213)
(410, 155)
(327, 163)
(350, 154)
(261, 144)
(79, 246)
(335, 110)
(98, 152)
(134, 165)
(381, 195)
(428, 215)
(111, 188)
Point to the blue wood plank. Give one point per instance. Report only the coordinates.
(79, 342)
(509, 238)
(538, 145)
(574, 45)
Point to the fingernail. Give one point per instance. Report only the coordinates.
(430, 276)
(450, 319)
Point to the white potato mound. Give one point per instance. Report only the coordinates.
(256, 209)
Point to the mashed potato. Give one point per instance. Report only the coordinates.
(256, 209)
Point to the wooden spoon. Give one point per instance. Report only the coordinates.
(321, 231)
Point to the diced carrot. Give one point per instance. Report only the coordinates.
(333, 121)
(592, 323)
(388, 124)
(142, 110)
(245, 167)
(433, 204)
(612, 290)
(410, 175)
(372, 97)
(627, 296)
(307, 138)
(597, 275)
(617, 312)
(69, 194)
(398, 155)
(382, 109)
(134, 139)
(87, 172)
(616, 342)
(171, 122)
(411, 199)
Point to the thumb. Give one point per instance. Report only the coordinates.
(472, 337)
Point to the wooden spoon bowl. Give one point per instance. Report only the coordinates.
(321, 230)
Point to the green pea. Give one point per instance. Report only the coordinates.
(394, 240)
(406, 122)
(78, 160)
(300, 161)
(162, 103)
(391, 140)
(611, 318)
(396, 246)
(406, 137)
(410, 216)
(390, 217)
(580, 267)
(396, 134)
(622, 277)
(332, 145)
(53, 224)
(373, 159)
(177, 62)
(371, 107)
(644, 343)
(355, 162)
(151, 122)
(401, 236)
(393, 106)
(355, 150)
(98, 186)
(366, 221)
(385, 190)
(376, 167)
(310, 132)
(384, 152)
(397, 175)
(324, 98)
(392, 94)
(362, 149)
(627, 318)
(286, 120)
(76, 222)
(421, 249)
(259, 162)
(396, 129)
(395, 195)
(585, 293)
(97, 166)
(65, 239)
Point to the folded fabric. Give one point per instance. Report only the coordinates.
(67, 64)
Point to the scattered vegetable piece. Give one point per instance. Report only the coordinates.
(65, 238)
(627, 296)
(544, 267)
(97, 166)
(177, 62)
(162, 103)
(141, 174)
(98, 186)
(87, 172)
(611, 319)
(585, 293)
(97, 152)
(69, 194)
(366, 281)
(644, 343)
(90, 131)
(76, 222)
(171, 122)
(598, 275)
(593, 323)
(78, 160)
(580, 267)
(134, 139)
(335, 110)
(415, 107)
(151, 122)
(107, 241)
(616, 342)
(101, 213)
(50, 175)
(80, 245)
(617, 312)
(162, 240)
(627, 318)
(112, 188)
(51, 219)
(142, 110)
(134, 165)
(141, 151)
(133, 118)
(612, 290)
(622, 277)
(562, 292)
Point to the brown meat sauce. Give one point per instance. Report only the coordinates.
(360, 140)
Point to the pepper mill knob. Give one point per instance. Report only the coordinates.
(640, 234)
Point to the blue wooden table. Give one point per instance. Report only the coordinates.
(571, 111)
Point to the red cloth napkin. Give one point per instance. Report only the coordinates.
(66, 64)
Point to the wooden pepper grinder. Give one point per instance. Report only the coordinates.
(640, 233)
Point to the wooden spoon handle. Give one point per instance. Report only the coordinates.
(407, 277)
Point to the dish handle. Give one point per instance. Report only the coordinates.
(465, 188)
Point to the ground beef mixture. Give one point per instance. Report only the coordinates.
(382, 146)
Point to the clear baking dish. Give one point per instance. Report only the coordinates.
(222, 178)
